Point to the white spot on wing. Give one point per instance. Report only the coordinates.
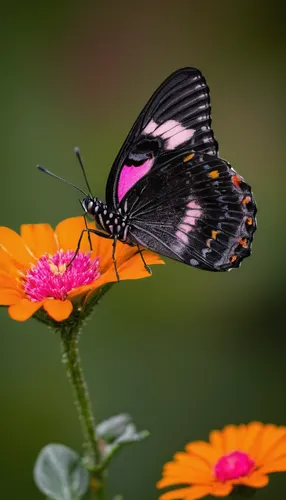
(194, 262)
(188, 224)
(150, 127)
(182, 236)
(166, 129)
(180, 137)
(172, 131)
(185, 227)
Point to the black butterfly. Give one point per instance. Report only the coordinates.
(168, 189)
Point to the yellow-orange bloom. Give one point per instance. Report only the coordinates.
(34, 271)
(237, 456)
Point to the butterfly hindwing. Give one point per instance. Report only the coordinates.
(177, 116)
(193, 208)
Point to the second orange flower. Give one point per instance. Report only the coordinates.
(237, 456)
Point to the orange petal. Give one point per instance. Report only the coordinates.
(68, 233)
(7, 281)
(23, 309)
(274, 466)
(277, 451)
(273, 443)
(10, 265)
(216, 441)
(124, 253)
(197, 463)
(15, 246)
(251, 440)
(129, 270)
(255, 480)
(178, 474)
(192, 493)
(174, 494)
(198, 491)
(241, 435)
(221, 490)
(9, 297)
(103, 247)
(59, 310)
(84, 289)
(137, 264)
(40, 238)
(165, 482)
(203, 450)
(230, 438)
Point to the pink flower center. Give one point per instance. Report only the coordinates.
(52, 277)
(232, 466)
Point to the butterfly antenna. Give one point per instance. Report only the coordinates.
(77, 152)
(46, 171)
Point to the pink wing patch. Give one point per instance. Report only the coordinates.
(172, 131)
(189, 221)
(130, 175)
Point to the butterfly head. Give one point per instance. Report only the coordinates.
(92, 206)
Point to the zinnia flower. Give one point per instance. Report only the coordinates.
(237, 456)
(34, 271)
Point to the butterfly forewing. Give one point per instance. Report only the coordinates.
(176, 117)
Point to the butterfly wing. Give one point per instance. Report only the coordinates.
(193, 208)
(177, 116)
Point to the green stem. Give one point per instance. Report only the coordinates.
(72, 363)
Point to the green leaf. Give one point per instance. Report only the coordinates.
(58, 473)
(113, 427)
(130, 435)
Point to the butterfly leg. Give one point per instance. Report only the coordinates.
(148, 268)
(86, 227)
(88, 233)
(114, 259)
(87, 230)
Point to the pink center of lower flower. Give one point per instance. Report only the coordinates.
(232, 466)
(52, 277)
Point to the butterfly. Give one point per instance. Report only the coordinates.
(169, 190)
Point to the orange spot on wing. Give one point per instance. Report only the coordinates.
(243, 242)
(249, 221)
(236, 179)
(214, 174)
(246, 200)
(233, 258)
(187, 158)
(213, 237)
(214, 234)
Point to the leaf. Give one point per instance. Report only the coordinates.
(130, 435)
(113, 427)
(116, 432)
(58, 473)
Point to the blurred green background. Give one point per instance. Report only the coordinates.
(185, 351)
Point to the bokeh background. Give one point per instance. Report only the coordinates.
(185, 351)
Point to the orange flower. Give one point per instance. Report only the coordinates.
(237, 456)
(34, 273)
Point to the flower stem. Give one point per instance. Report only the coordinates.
(92, 456)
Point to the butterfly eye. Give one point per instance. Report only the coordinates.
(90, 206)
